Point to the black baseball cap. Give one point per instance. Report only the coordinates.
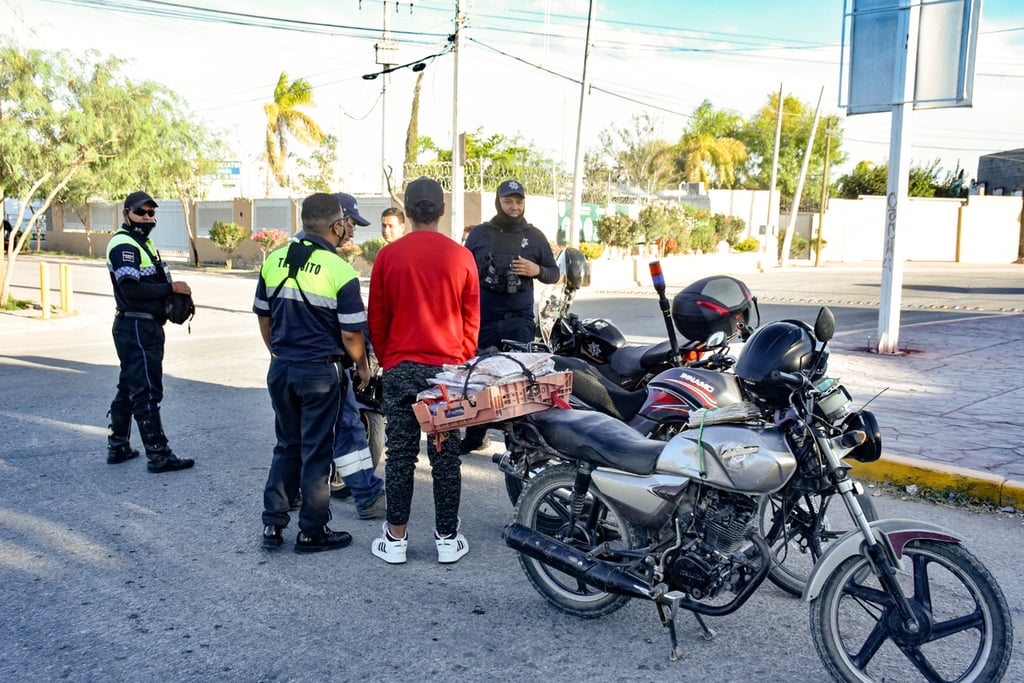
(138, 199)
(424, 188)
(350, 208)
(510, 187)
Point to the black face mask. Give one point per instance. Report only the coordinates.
(143, 228)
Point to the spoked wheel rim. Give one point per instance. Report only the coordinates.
(961, 629)
(813, 521)
(545, 507)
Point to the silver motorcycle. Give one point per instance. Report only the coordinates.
(678, 524)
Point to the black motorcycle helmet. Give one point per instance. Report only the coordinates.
(787, 346)
(575, 268)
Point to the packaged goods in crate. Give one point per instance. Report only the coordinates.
(495, 403)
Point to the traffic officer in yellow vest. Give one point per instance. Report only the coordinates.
(311, 318)
(142, 285)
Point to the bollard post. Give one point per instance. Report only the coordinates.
(44, 289)
(70, 308)
(62, 275)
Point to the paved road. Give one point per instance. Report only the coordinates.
(111, 573)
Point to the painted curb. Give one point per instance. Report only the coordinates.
(901, 470)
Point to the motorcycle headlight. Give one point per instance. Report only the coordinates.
(871, 449)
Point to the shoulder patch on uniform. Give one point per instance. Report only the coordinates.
(128, 256)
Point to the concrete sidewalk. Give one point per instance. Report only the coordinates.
(950, 411)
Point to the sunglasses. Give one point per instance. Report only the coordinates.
(145, 212)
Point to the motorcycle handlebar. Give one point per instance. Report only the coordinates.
(794, 380)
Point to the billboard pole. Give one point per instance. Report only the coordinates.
(899, 179)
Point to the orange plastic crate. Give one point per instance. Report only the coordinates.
(495, 403)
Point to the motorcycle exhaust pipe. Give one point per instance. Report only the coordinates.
(569, 560)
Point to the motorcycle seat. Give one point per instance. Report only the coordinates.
(635, 359)
(600, 393)
(598, 439)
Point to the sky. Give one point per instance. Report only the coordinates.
(520, 68)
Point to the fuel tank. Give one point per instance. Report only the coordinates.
(751, 460)
(677, 391)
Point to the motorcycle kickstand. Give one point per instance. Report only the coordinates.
(669, 621)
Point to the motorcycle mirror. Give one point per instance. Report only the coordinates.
(825, 325)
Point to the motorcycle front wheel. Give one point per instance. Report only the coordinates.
(965, 633)
(548, 497)
(798, 528)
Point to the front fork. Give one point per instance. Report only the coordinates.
(882, 564)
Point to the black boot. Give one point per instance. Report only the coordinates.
(161, 458)
(119, 433)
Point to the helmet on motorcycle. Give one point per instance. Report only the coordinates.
(787, 346)
(713, 304)
(575, 268)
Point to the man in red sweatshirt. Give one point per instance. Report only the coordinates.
(424, 311)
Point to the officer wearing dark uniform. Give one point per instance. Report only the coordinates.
(142, 285)
(311, 318)
(510, 253)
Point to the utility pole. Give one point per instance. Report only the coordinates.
(824, 196)
(456, 209)
(791, 228)
(573, 238)
(385, 52)
(770, 222)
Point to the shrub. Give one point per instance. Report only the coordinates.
(728, 228)
(370, 247)
(592, 250)
(747, 245)
(703, 239)
(349, 251)
(799, 248)
(618, 230)
(227, 237)
(269, 240)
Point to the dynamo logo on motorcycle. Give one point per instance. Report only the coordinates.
(697, 386)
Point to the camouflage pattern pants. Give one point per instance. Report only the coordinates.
(402, 434)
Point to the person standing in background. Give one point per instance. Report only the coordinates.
(510, 254)
(142, 284)
(392, 224)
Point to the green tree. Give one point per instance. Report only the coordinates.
(708, 151)
(759, 137)
(316, 174)
(638, 157)
(76, 128)
(286, 119)
(227, 237)
(868, 178)
(492, 158)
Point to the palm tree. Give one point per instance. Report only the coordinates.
(285, 118)
(707, 150)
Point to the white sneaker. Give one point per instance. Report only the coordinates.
(392, 552)
(451, 549)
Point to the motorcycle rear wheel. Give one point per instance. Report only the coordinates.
(548, 497)
(966, 631)
(814, 520)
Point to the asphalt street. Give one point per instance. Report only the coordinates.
(112, 573)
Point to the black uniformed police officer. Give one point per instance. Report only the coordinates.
(142, 284)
